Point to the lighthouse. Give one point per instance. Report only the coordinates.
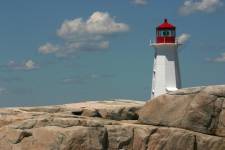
(166, 73)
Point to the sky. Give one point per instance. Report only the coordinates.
(56, 52)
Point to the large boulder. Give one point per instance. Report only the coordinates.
(164, 138)
(200, 109)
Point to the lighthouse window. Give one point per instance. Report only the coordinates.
(161, 33)
(165, 33)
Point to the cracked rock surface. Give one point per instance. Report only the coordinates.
(114, 125)
(200, 109)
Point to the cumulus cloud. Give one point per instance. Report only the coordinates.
(48, 48)
(219, 59)
(98, 24)
(183, 38)
(85, 35)
(140, 2)
(191, 6)
(26, 65)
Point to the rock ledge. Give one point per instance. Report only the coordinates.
(174, 121)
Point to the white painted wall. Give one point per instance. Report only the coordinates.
(166, 73)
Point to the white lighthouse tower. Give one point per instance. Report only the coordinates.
(166, 73)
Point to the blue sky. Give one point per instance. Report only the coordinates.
(63, 52)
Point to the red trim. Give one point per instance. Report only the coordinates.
(166, 25)
(165, 40)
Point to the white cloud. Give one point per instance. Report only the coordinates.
(26, 65)
(30, 65)
(183, 38)
(191, 6)
(85, 35)
(98, 24)
(140, 2)
(220, 58)
(48, 48)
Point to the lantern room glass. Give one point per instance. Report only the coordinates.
(166, 33)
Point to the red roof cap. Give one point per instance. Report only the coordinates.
(166, 25)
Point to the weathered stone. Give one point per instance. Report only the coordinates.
(40, 129)
(197, 109)
(120, 137)
(14, 136)
(171, 139)
(91, 113)
(141, 137)
(87, 138)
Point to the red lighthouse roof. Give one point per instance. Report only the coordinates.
(166, 25)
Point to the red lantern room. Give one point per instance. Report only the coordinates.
(165, 33)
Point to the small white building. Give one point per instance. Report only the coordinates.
(166, 73)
